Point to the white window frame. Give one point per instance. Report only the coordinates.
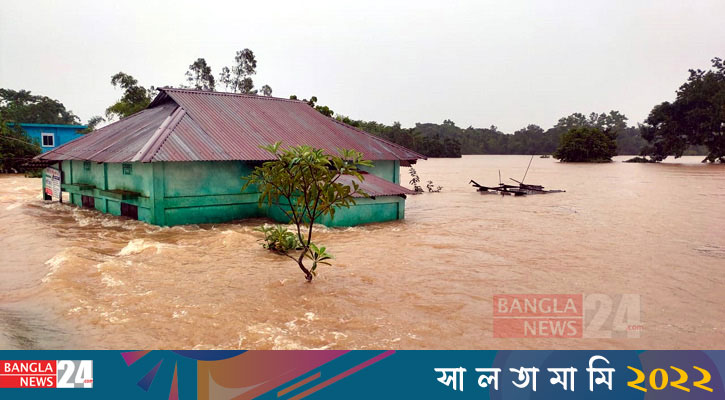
(43, 135)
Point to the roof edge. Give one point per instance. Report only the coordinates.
(30, 124)
(57, 151)
(421, 156)
(166, 90)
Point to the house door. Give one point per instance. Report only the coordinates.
(129, 210)
(88, 201)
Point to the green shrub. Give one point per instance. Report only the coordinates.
(278, 239)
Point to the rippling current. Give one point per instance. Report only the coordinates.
(76, 278)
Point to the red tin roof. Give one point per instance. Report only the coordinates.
(192, 125)
(375, 185)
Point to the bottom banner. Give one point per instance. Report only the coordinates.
(336, 374)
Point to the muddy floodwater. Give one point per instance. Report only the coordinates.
(76, 278)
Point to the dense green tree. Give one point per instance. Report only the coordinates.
(266, 90)
(199, 75)
(22, 106)
(696, 117)
(134, 99)
(586, 144)
(612, 122)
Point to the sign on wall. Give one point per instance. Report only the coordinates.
(52, 183)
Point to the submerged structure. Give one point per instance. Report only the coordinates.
(181, 160)
(522, 189)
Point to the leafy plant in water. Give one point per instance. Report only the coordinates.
(415, 180)
(318, 255)
(303, 182)
(431, 189)
(278, 239)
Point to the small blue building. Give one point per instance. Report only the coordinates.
(50, 136)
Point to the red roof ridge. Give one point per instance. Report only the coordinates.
(230, 94)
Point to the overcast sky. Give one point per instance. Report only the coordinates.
(481, 63)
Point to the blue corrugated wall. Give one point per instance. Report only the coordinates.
(62, 134)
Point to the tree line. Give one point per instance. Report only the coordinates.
(694, 123)
(449, 140)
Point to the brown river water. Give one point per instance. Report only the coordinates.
(75, 278)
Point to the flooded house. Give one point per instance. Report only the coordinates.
(181, 160)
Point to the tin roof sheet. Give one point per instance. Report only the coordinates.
(192, 125)
(375, 186)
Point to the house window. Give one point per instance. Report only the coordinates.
(48, 139)
(86, 165)
(126, 169)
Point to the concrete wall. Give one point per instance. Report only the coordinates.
(206, 192)
(87, 178)
(365, 211)
(388, 170)
(178, 193)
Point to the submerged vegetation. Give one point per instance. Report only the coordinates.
(279, 239)
(302, 183)
(639, 159)
(695, 118)
(415, 182)
(586, 144)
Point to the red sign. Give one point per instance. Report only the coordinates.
(28, 374)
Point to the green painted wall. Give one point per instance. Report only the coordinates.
(388, 170)
(388, 208)
(139, 179)
(207, 192)
(202, 178)
(178, 193)
(97, 179)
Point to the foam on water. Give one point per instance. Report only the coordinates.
(110, 281)
(13, 206)
(136, 246)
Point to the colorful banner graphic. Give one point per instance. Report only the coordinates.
(339, 374)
